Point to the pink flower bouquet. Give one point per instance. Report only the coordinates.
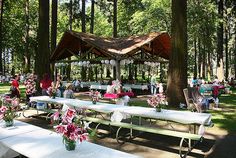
(95, 95)
(8, 110)
(71, 128)
(156, 101)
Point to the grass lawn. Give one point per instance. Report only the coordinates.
(4, 88)
(223, 119)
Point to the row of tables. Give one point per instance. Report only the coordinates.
(125, 86)
(183, 117)
(29, 139)
(35, 142)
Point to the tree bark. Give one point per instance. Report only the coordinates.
(68, 70)
(199, 58)
(220, 66)
(234, 56)
(115, 18)
(177, 76)
(83, 17)
(42, 64)
(204, 61)
(54, 25)
(195, 57)
(1, 34)
(92, 17)
(27, 53)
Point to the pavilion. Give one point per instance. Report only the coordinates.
(153, 47)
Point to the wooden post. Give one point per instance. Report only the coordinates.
(117, 69)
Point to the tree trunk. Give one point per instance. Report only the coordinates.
(234, 56)
(195, 57)
(226, 54)
(220, 66)
(83, 17)
(204, 62)
(92, 17)
(42, 64)
(27, 53)
(1, 34)
(115, 19)
(68, 68)
(54, 25)
(70, 15)
(199, 58)
(177, 77)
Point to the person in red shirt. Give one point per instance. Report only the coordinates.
(45, 83)
(15, 91)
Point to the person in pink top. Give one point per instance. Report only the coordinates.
(15, 91)
(45, 83)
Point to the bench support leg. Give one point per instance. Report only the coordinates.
(186, 144)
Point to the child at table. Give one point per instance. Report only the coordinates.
(68, 93)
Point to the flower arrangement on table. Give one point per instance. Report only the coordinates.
(95, 95)
(71, 127)
(157, 101)
(52, 92)
(8, 110)
(116, 85)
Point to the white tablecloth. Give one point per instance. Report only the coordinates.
(42, 143)
(184, 117)
(18, 129)
(99, 87)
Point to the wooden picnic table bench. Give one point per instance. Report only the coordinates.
(185, 137)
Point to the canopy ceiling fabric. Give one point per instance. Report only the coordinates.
(156, 43)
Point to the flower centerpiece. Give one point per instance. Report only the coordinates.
(95, 95)
(8, 110)
(157, 101)
(71, 128)
(116, 85)
(52, 92)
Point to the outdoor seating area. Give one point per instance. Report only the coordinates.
(117, 79)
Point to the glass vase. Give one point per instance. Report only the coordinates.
(9, 123)
(94, 101)
(158, 109)
(70, 145)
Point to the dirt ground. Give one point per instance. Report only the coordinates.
(217, 143)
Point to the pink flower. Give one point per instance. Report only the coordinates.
(55, 116)
(3, 109)
(15, 102)
(68, 116)
(83, 137)
(1, 116)
(60, 128)
(73, 136)
(70, 113)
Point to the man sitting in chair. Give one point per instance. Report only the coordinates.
(201, 102)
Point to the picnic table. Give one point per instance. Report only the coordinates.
(36, 142)
(170, 115)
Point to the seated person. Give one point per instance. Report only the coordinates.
(201, 102)
(68, 93)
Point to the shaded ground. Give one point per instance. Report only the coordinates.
(157, 146)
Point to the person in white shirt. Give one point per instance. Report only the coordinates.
(153, 84)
